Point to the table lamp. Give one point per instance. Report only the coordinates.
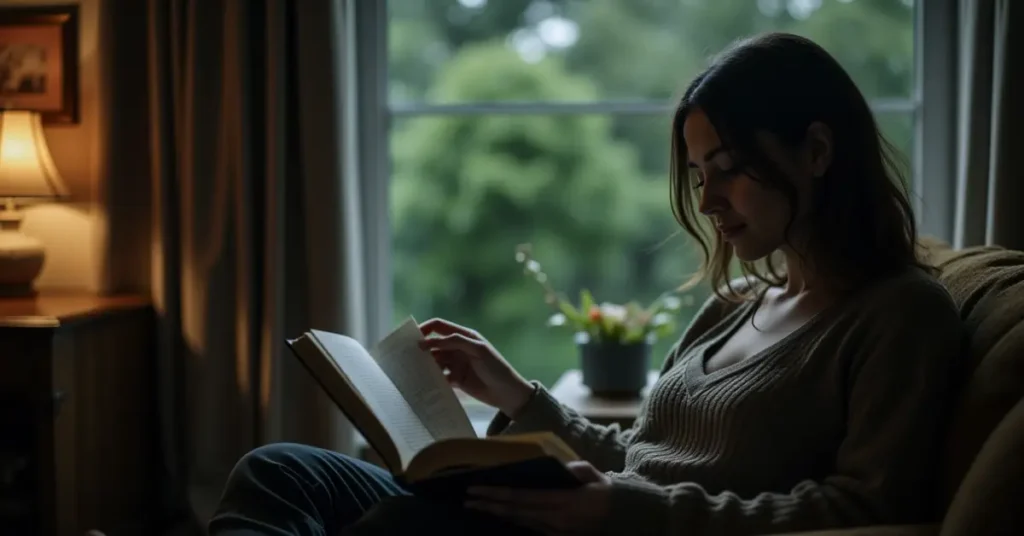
(27, 175)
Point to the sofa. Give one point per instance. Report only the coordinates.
(982, 478)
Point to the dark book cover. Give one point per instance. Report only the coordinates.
(537, 473)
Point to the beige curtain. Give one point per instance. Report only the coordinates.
(990, 152)
(247, 124)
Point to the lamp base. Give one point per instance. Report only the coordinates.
(21, 260)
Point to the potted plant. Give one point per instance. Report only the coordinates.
(614, 340)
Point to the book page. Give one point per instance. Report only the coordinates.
(417, 376)
(380, 394)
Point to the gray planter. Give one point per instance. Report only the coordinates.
(614, 370)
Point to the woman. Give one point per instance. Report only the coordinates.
(808, 394)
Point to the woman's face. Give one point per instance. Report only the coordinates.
(746, 213)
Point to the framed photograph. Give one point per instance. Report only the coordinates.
(39, 61)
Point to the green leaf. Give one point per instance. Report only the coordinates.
(608, 326)
(633, 308)
(586, 301)
(571, 314)
(656, 306)
(634, 334)
(664, 330)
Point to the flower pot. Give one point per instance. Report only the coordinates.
(614, 370)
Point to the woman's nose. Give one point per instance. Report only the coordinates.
(710, 203)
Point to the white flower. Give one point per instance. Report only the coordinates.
(672, 302)
(661, 319)
(557, 319)
(520, 256)
(533, 266)
(542, 277)
(613, 312)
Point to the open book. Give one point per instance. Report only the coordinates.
(401, 402)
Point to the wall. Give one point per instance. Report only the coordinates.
(71, 230)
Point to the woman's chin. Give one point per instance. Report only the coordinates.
(749, 252)
(748, 258)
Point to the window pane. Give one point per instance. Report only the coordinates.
(623, 49)
(898, 128)
(467, 189)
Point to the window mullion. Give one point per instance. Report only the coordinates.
(637, 107)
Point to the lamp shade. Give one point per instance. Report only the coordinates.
(26, 167)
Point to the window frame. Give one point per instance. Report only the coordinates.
(935, 145)
(932, 103)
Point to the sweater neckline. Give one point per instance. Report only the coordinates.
(696, 372)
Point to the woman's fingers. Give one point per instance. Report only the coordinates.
(454, 342)
(441, 326)
(453, 362)
(584, 471)
(457, 375)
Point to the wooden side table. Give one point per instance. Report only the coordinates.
(569, 390)
(78, 413)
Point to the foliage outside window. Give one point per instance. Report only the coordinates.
(589, 191)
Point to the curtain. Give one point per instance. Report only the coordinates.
(990, 151)
(247, 124)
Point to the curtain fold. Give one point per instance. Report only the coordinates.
(249, 246)
(990, 149)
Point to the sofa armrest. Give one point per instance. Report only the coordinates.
(880, 530)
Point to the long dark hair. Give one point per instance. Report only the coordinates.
(860, 225)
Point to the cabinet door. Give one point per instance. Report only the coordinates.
(26, 441)
(65, 461)
(20, 507)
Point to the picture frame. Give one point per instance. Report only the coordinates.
(39, 61)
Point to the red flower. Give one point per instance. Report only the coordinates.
(595, 313)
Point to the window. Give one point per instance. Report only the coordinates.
(547, 122)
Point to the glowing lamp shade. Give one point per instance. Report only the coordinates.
(27, 174)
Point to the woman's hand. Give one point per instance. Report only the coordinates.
(475, 366)
(576, 511)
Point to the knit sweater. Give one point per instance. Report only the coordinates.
(837, 425)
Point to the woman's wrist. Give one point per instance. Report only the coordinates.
(518, 398)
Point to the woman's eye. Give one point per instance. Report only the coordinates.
(698, 181)
(724, 174)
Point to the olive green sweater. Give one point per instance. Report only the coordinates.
(837, 425)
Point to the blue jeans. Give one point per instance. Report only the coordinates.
(287, 489)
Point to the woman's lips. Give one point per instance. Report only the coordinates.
(729, 231)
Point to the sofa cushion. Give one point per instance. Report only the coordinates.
(987, 284)
(991, 497)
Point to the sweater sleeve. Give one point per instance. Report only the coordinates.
(602, 446)
(901, 358)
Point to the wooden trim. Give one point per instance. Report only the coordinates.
(52, 310)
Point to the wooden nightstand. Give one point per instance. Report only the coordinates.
(78, 414)
(570, 391)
